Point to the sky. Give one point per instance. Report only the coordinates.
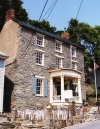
(64, 10)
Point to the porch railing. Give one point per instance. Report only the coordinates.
(57, 97)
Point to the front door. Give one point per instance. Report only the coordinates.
(59, 92)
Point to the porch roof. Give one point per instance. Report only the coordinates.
(65, 72)
(3, 56)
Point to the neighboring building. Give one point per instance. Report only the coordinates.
(2, 73)
(41, 67)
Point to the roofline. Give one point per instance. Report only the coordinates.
(47, 33)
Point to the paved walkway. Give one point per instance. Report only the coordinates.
(86, 125)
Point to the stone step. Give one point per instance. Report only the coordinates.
(3, 118)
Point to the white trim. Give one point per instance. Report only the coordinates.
(75, 65)
(38, 34)
(60, 56)
(75, 51)
(51, 89)
(65, 72)
(40, 77)
(61, 63)
(60, 46)
(40, 50)
(42, 58)
(74, 61)
(62, 88)
(79, 91)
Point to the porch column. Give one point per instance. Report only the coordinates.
(62, 88)
(51, 89)
(79, 91)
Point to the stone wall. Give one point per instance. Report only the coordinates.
(24, 67)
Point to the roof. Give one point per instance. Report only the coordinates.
(3, 56)
(47, 33)
(62, 69)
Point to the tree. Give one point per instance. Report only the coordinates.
(20, 13)
(89, 37)
(45, 25)
(71, 30)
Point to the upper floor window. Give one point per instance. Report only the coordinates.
(40, 40)
(58, 62)
(40, 58)
(74, 65)
(73, 50)
(59, 47)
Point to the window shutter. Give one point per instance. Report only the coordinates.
(34, 80)
(45, 87)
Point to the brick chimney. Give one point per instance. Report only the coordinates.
(10, 14)
(65, 35)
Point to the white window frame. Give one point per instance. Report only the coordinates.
(58, 43)
(73, 51)
(59, 65)
(41, 86)
(75, 63)
(41, 40)
(42, 59)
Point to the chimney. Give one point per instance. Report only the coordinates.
(10, 14)
(65, 35)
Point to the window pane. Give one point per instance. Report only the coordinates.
(58, 47)
(58, 62)
(73, 65)
(39, 86)
(73, 52)
(39, 58)
(40, 40)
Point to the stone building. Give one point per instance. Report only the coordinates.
(42, 67)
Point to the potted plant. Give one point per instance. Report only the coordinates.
(75, 85)
(66, 83)
(48, 105)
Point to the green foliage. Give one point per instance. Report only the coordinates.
(45, 25)
(73, 103)
(20, 13)
(90, 39)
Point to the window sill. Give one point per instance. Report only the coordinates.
(39, 46)
(39, 95)
(73, 56)
(58, 51)
(39, 64)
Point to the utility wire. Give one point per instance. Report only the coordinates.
(49, 9)
(79, 8)
(43, 9)
(52, 9)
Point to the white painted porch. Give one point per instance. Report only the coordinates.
(61, 95)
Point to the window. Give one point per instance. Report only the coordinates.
(39, 86)
(58, 47)
(73, 52)
(58, 62)
(74, 65)
(39, 58)
(40, 40)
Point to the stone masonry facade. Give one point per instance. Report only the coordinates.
(24, 67)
